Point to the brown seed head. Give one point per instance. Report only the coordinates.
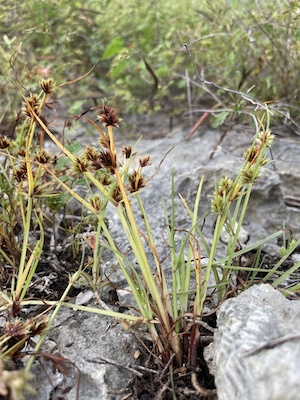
(37, 327)
(43, 157)
(48, 85)
(90, 153)
(127, 150)
(117, 194)
(80, 165)
(144, 162)
(34, 102)
(251, 153)
(96, 202)
(104, 141)
(15, 329)
(136, 181)
(96, 164)
(22, 152)
(37, 190)
(108, 116)
(106, 160)
(4, 142)
(20, 173)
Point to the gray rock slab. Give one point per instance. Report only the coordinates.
(84, 339)
(257, 346)
(275, 197)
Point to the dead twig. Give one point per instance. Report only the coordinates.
(202, 119)
(115, 363)
(167, 366)
(271, 344)
(199, 389)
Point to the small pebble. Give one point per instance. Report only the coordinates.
(84, 297)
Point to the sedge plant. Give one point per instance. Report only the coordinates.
(25, 190)
(118, 179)
(171, 311)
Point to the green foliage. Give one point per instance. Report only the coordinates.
(138, 52)
(74, 148)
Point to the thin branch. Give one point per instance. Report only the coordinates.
(167, 366)
(115, 363)
(271, 344)
(189, 97)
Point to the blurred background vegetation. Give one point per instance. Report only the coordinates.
(141, 64)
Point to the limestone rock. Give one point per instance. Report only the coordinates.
(85, 340)
(257, 346)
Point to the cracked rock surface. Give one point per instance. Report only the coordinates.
(257, 346)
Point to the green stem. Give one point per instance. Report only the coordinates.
(132, 233)
(217, 233)
(161, 275)
(17, 292)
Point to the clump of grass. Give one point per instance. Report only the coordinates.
(164, 308)
(25, 190)
(173, 312)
